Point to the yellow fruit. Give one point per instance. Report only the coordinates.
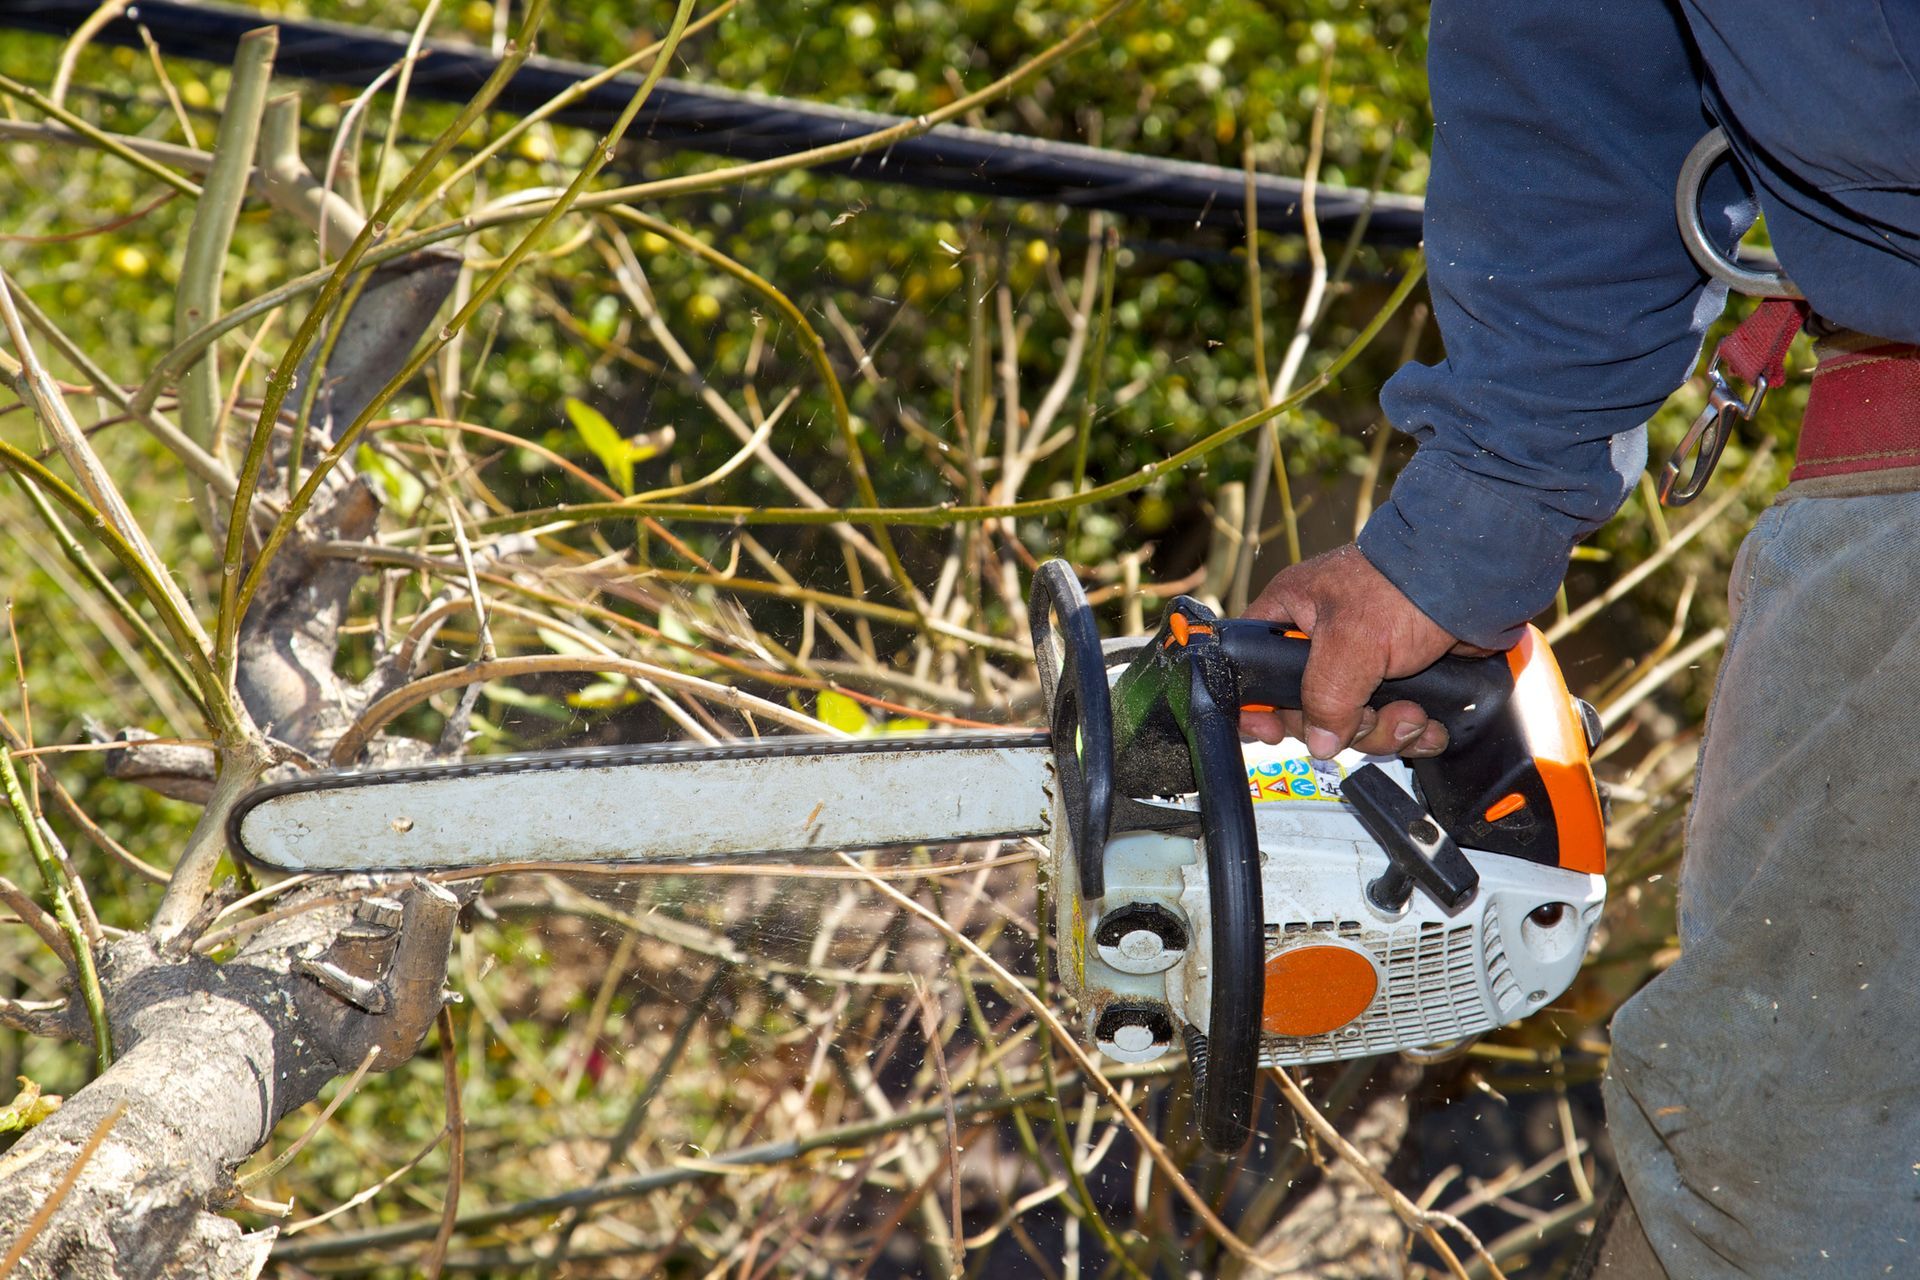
(129, 261)
(477, 18)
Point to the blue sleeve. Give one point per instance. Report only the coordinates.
(1822, 101)
(1568, 305)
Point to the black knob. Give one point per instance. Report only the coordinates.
(1135, 1029)
(1134, 917)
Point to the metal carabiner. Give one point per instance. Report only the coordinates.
(1707, 437)
(1748, 272)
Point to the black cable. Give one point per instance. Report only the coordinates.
(751, 126)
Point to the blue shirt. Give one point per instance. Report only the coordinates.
(1569, 307)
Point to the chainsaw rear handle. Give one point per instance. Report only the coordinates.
(1514, 778)
(1464, 694)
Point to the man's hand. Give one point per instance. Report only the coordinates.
(1364, 631)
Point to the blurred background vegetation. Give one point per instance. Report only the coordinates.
(578, 994)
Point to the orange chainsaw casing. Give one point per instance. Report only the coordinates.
(1559, 742)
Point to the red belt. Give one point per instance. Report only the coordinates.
(1863, 409)
(1863, 413)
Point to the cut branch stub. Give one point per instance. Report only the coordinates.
(381, 983)
(174, 770)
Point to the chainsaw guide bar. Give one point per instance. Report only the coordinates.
(647, 804)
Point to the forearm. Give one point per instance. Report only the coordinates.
(1567, 303)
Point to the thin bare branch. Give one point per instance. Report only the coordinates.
(456, 1148)
(383, 712)
(1426, 1221)
(54, 876)
(285, 1158)
(51, 1205)
(39, 390)
(1102, 1081)
(35, 917)
(76, 43)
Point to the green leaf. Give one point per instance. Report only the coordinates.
(674, 629)
(906, 724)
(617, 453)
(603, 319)
(534, 703)
(27, 1109)
(604, 440)
(560, 642)
(842, 713)
(601, 695)
(401, 492)
(641, 448)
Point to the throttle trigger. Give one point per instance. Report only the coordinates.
(1419, 851)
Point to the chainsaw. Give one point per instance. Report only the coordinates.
(1250, 905)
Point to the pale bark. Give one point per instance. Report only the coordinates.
(210, 1056)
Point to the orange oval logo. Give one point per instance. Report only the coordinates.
(1315, 989)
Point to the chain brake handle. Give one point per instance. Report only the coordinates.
(1176, 731)
(1073, 681)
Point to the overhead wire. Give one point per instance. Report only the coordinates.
(682, 115)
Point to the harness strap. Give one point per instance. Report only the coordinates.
(1757, 348)
(1755, 353)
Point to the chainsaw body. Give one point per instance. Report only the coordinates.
(1264, 909)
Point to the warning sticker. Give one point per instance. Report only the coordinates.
(1295, 778)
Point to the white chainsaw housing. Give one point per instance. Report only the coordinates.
(1442, 976)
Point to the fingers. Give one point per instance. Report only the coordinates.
(1343, 669)
(1263, 725)
(1272, 726)
(1364, 630)
(1397, 726)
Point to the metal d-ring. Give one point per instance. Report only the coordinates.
(1752, 272)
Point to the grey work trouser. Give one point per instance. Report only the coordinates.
(1764, 1093)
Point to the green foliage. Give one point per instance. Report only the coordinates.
(28, 1108)
(617, 453)
(841, 712)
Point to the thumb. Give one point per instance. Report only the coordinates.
(1344, 667)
